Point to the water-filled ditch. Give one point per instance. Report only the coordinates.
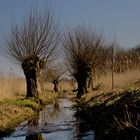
(54, 122)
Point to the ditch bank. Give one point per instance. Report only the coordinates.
(113, 115)
(54, 122)
(15, 111)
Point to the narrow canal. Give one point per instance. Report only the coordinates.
(54, 122)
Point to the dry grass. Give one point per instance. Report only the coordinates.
(63, 86)
(68, 85)
(15, 87)
(11, 115)
(123, 80)
(11, 87)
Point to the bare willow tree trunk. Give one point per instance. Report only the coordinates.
(32, 70)
(90, 82)
(54, 75)
(82, 86)
(56, 87)
(32, 83)
(55, 83)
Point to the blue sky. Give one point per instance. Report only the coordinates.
(118, 18)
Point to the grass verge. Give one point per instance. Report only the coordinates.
(15, 111)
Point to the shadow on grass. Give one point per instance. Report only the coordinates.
(118, 117)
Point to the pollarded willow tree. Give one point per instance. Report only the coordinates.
(53, 75)
(84, 53)
(32, 45)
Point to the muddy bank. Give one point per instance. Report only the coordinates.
(113, 115)
(15, 111)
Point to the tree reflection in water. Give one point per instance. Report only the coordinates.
(35, 137)
(83, 130)
(33, 122)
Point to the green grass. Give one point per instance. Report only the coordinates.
(22, 103)
(130, 88)
(112, 101)
(13, 120)
(96, 103)
(15, 111)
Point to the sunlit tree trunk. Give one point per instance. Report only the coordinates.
(32, 84)
(55, 82)
(31, 68)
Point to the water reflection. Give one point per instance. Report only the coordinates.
(83, 130)
(35, 137)
(32, 123)
(63, 124)
(55, 122)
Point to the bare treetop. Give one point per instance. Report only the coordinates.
(84, 45)
(36, 37)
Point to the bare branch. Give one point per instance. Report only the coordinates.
(37, 36)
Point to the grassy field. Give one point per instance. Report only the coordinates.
(14, 108)
(121, 80)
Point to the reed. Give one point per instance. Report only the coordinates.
(12, 87)
(121, 80)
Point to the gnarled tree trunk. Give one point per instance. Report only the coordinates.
(32, 83)
(82, 86)
(80, 89)
(90, 81)
(32, 68)
(55, 82)
(56, 87)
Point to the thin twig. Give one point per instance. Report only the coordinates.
(132, 126)
(117, 122)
